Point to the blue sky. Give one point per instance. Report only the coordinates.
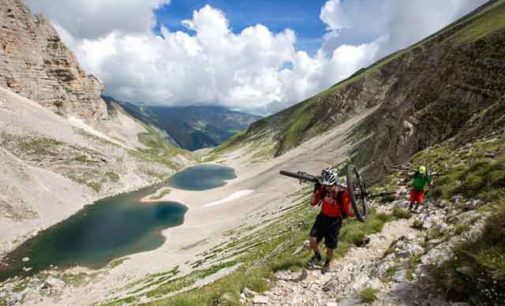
(262, 69)
(302, 16)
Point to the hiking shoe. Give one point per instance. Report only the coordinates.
(314, 261)
(325, 269)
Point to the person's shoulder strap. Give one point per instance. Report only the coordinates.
(339, 198)
(323, 193)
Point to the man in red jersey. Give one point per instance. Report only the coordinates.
(335, 202)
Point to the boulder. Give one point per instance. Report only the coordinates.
(248, 293)
(261, 300)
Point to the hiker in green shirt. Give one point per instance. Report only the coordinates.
(421, 179)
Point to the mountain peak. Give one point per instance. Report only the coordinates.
(36, 64)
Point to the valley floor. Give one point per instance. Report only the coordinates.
(204, 225)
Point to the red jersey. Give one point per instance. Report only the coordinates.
(330, 206)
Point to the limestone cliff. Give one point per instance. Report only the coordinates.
(37, 65)
(60, 147)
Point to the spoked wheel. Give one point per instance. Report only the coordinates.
(357, 193)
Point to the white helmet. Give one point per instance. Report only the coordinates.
(329, 177)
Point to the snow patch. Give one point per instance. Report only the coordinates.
(76, 122)
(234, 196)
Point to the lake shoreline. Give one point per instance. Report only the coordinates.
(150, 194)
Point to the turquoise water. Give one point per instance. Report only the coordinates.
(202, 177)
(111, 228)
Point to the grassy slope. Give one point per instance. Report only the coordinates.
(466, 172)
(259, 252)
(82, 165)
(300, 122)
(92, 167)
(473, 171)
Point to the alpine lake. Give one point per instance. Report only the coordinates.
(111, 228)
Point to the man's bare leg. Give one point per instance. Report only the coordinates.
(329, 255)
(314, 245)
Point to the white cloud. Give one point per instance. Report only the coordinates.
(95, 18)
(255, 69)
(400, 23)
(213, 65)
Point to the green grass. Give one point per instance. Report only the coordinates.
(401, 213)
(354, 231)
(74, 280)
(253, 275)
(21, 286)
(161, 193)
(116, 262)
(390, 273)
(418, 224)
(484, 262)
(84, 159)
(368, 295)
(31, 145)
(158, 149)
(231, 142)
(79, 164)
(112, 176)
(261, 253)
(298, 123)
(465, 170)
(490, 21)
(412, 267)
(434, 233)
(461, 228)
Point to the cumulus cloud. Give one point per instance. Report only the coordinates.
(255, 69)
(92, 19)
(212, 66)
(399, 23)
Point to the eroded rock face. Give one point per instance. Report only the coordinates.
(421, 96)
(36, 64)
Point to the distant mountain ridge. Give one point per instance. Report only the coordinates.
(192, 127)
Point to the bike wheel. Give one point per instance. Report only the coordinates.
(357, 192)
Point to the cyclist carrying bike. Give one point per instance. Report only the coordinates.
(335, 206)
(420, 180)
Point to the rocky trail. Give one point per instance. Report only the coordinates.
(391, 269)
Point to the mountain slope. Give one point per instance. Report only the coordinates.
(423, 94)
(61, 147)
(381, 116)
(52, 166)
(442, 99)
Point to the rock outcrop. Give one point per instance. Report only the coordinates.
(37, 65)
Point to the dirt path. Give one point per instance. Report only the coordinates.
(394, 267)
(348, 275)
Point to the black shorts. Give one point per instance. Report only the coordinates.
(327, 228)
